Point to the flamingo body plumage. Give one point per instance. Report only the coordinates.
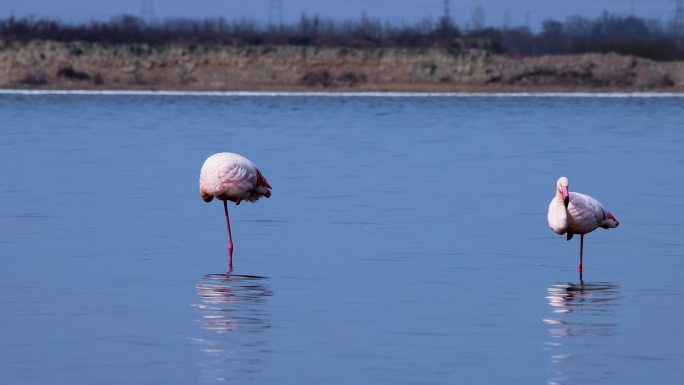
(573, 213)
(231, 177)
(586, 214)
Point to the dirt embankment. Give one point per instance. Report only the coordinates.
(55, 65)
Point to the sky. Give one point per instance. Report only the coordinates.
(394, 11)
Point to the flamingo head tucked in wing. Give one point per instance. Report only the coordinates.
(262, 186)
(609, 221)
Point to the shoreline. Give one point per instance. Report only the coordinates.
(249, 93)
(414, 88)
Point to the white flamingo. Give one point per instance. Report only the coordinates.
(574, 213)
(231, 177)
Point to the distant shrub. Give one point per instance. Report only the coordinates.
(323, 79)
(69, 73)
(32, 80)
(351, 79)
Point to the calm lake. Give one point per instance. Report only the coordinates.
(405, 242)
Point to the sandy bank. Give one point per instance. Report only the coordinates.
(56, 65)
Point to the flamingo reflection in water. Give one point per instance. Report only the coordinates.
(233, 314)
(584, 320)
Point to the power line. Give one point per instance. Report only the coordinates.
(678, 23)
(147, 11)
(506, 23)
(275, 12)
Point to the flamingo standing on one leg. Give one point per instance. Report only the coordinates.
(231, 177)
(575, 213)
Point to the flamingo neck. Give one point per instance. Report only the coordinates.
(559, 196)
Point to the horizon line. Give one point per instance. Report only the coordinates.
(345, 94)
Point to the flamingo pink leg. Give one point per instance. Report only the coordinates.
(581, 251)
(230, 237)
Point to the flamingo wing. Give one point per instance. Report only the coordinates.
(585, 213)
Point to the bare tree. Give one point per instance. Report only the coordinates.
(654, 39)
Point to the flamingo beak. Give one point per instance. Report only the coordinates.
(566, 196)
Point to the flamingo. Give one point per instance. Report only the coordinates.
(574, 213)
(231, 177)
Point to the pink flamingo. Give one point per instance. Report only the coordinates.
(574, 213)
(231, 177)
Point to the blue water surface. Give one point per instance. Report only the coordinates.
(405, 242)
